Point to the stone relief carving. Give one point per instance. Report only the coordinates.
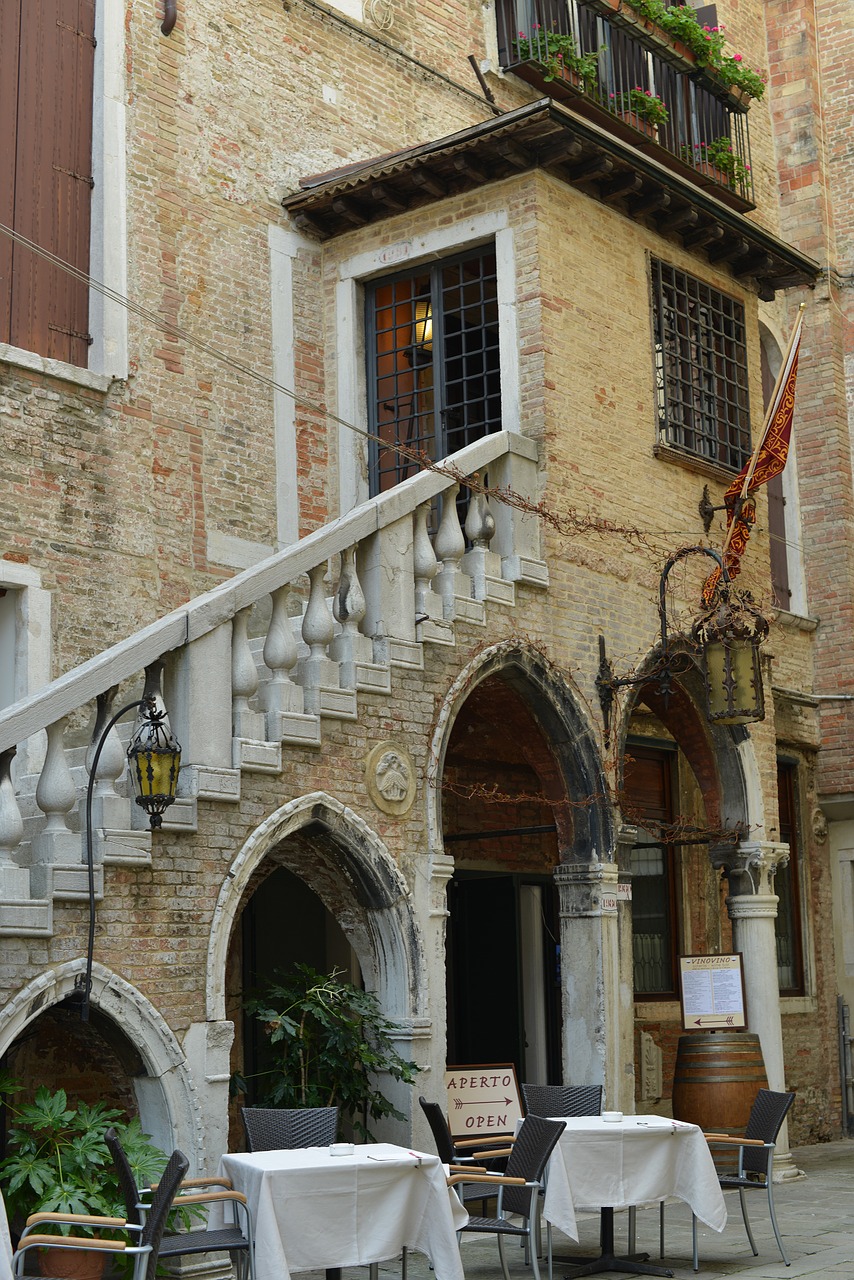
(390, 778)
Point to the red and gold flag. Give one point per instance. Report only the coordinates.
(768, 460)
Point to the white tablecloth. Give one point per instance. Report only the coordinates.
(5, 1245)
(598, 1164)
(313, 1210)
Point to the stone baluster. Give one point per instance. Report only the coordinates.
(348, 607)
(281, 695)
(449, 546)
(425, 566)
(479, 562)
(14, 880)
(56, 795)
(109, 810)
(246, 723)
(317, 632)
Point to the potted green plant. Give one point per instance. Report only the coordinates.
(641, 107)
(720, 154)
(558, 55)
(60, 1163)
(331, 1039)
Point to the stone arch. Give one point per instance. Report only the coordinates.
(320, 839)
(168, 1104)
(721, 756)
(572, 775)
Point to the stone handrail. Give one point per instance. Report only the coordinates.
(206, 612)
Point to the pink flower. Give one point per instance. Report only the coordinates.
(736, 57)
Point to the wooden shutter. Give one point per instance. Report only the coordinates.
(10, 22)
(52, 175)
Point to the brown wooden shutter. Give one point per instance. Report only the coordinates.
(10, 21)
(53, 176)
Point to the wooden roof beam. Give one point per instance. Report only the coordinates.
(429, 182)
(383, 195)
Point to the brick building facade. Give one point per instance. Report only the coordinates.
(393, 728)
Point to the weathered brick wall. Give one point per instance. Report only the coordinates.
(114, 498)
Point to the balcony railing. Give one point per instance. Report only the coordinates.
(702, 133)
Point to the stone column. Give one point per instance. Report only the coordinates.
(597, 1038)
(752, 907)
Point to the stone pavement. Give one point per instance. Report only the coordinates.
(815, 1215)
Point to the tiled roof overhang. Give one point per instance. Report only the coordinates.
(546, 135)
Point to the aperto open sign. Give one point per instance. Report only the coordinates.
(482, 1099)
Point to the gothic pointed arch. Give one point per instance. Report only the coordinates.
(150, 1053)
(563, 752)
(350, 869)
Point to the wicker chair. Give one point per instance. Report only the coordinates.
(143, 1241)
(755, 1160)
(457, 1160)
(235, 1240)
(519, 1190)
(282, 1129)
(552, 1100)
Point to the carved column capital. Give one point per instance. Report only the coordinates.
(750, 866)
(582, 885)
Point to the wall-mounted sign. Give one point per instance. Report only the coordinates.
(712, 993)
(482, 1100)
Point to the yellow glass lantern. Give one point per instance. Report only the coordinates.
(154, 757)
(730, 634)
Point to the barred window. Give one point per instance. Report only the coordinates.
(433, 368)
(700, 368)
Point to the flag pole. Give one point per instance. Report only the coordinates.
(772, 409)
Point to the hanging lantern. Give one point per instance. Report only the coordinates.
(154, 757)
(730, 633)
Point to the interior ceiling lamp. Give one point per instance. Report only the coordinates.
(422, 327)
(726, 637)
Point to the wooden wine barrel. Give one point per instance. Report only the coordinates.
(717, 1078)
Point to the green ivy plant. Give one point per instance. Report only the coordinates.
(331, 1041)
(60, 1162)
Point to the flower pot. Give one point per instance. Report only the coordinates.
(72, 1264)
(712, 171)
(740, 97)
(638, 122)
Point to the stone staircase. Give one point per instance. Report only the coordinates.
(257, 665)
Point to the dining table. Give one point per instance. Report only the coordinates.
(607, 1164)
(317, 1208)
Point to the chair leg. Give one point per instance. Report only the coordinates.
(694, 1245)
(404, 1264)
(747, 1223)
(633, 1228)
(549, 1246)
(503, 1259)
(774, 1223)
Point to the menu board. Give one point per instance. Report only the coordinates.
(712, 993)
(482, 1100)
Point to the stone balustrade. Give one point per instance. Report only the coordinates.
(235, 698)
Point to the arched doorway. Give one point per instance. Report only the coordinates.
(521, 792)
(126, 1054)
(503, 933)
(284, 923)
(356, 900)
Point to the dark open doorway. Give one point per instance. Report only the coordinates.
(500, 789)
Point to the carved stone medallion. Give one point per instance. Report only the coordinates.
(390, 777)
